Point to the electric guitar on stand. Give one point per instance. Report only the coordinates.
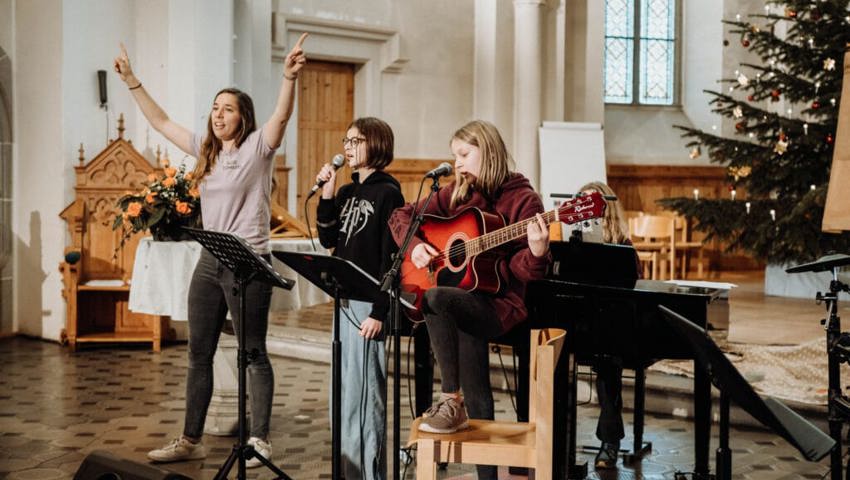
(469, 257)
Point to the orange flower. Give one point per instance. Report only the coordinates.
(151, 177)
(170, 171)
(169, 182)
(194, 192)
(189, 177)
(134, 209)
(165, 162)
(149, 198)
(182, 207)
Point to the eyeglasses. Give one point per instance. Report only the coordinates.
(353, 141)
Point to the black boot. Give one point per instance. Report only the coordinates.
(607, 456)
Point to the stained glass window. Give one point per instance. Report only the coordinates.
(640, 68)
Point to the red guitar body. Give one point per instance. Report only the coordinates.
(449, 234)
(471, 245)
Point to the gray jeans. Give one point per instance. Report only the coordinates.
(210, 298)
(460, 325)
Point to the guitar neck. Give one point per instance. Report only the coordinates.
(506, 234)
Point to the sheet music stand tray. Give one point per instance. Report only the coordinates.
(339, 278)
(247, 266)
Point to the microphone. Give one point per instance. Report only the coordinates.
(443, 170)
(336, 162)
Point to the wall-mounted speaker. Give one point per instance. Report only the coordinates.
(102, 465)
(101, 86)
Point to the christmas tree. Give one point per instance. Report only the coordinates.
(785, 112)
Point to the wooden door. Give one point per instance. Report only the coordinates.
(325, 109)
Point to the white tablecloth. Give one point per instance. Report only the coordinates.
(162, 272)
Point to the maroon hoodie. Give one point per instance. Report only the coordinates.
(515, 201)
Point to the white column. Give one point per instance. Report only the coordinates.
(528, 61)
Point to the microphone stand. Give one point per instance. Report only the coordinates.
(390, 284)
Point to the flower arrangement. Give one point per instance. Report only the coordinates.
(167, 203)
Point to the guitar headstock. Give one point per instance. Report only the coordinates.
(581, 208)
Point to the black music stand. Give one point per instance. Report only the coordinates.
(805, 437)
(235, 253)
(338, 278)
(838, 350)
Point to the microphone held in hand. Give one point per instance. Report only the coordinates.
(338, 161)
(443, 170)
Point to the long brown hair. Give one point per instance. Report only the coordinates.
(211, 145)
(496, 162)
(615, 228)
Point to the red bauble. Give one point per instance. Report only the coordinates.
(739, 126)
(745, 43)
(731, 187)
(775, 94)
(782, 137)
(815, 105)
(750, 98)
(829, 138)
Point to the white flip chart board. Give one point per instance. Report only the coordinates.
(571, 155)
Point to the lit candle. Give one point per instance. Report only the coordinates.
(733, 194)
(748, 207)
(773, 214)
(696, 194)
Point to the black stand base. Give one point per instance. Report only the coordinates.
(578, 470)
(630, 458)
(247, 452)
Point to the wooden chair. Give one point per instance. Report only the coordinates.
(685, 246)
(488, 442)
(655, 233)
(96, 271)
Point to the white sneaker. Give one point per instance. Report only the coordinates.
(178, 450)
(262, 447)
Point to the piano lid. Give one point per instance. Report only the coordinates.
(644, 287)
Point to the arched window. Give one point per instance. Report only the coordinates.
(642, 51)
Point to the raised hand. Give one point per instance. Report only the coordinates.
(422, 254)
(122, 66)
(295, 59)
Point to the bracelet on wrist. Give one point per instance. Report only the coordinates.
(137, 86)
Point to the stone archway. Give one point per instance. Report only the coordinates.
(6, 131)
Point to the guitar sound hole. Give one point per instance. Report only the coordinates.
(457, 254)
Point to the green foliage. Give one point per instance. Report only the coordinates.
(780, 159)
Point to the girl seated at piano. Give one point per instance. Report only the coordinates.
(609, 370)
(460, 322)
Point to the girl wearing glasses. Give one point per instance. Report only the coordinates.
(354, 223)
(460, 322)
(233, 172)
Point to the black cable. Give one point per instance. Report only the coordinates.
(410, 387)
(497, 349)
(307, 221)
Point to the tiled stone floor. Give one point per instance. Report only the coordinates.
(56, 407)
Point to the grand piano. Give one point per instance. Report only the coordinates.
(622, 321)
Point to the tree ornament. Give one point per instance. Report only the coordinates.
(832, 101)
(725, 42)
(738, 112)
(695, 153)
(790, 13)
(816, 15)
(743, 80)
(781, 146)
(775, 94)
(740, 126)
(751, 97)
(806, 128)
(829, 138)
(745, 43)
(815, 105)
(829, 64)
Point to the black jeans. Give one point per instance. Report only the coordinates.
(609, 389)
(210, 298)
(460, 325)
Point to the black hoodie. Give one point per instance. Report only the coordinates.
(354, 223)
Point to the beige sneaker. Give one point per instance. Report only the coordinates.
(263, 448)
(178, 450)
(447, 416)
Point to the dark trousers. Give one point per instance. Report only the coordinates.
(210, 298)
(461, 325)
(609, 390)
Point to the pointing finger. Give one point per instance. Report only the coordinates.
(123, 49)
(301, 40)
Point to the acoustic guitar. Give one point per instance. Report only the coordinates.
(470, 256)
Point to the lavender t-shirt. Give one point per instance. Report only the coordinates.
(236, 194)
